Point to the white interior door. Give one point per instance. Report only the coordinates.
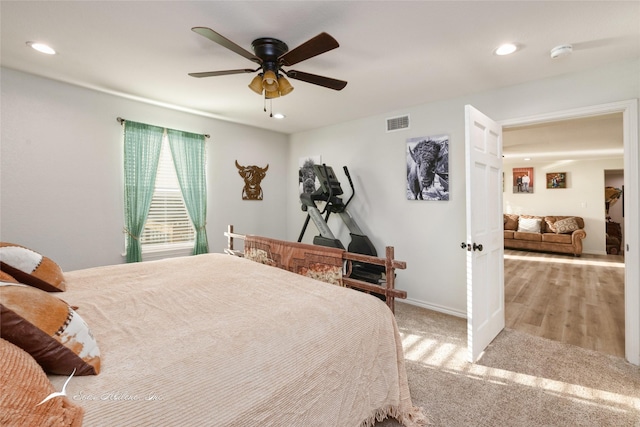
(485, 240)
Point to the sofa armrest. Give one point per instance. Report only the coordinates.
(576, 240)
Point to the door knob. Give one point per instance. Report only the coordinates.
(468, 246)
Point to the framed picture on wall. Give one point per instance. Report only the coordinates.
(307, 180)
(523, 180)
(428, 168)
(557, 180)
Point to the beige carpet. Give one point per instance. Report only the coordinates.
(521, 380)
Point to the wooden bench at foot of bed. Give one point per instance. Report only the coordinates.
(320, 262)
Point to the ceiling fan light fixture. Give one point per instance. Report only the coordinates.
(284, 87)
(270, 81)
(256, 84)
(270, 94)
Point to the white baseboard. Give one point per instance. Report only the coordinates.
(435, 307)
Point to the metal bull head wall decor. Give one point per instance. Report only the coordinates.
(252, 176)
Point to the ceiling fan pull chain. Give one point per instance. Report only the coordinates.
(271, 108)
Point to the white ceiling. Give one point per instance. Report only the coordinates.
(598, 137)
(393, 54)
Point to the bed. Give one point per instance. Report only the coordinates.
(222, 340)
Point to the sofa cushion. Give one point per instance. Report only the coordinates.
(529, 224)
(556, 238)
(532, 237)
(510, 222)
(548, 225)
(508, 234)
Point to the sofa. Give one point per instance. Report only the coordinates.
(560, 234)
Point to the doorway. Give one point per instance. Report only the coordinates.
(558, 297)
(629, 111)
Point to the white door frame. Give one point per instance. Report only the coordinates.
(629, 110)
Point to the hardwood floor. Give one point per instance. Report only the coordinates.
(579, 301)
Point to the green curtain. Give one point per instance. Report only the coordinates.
(188, 151)
(142, 146)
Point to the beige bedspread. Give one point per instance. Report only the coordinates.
(216, 340)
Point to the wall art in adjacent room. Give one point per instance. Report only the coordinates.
(523, 180)
(557, 180)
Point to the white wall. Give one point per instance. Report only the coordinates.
(427, 235)
(584, 195)
(61, 172)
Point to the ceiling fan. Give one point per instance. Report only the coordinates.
(271, 55)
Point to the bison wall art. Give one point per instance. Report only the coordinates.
(252, 176)
(428, 168)
(307, 180)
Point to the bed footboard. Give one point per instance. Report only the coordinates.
(331, 256)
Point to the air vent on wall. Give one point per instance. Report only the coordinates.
(397, 123)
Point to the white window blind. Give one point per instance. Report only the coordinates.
(168, 224)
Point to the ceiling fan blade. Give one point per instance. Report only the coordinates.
(317, 80)
(223, 41)
(321, 43)
(222, 73)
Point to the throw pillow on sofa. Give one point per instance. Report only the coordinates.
(567, 225)
(529, 225)
(510, 222)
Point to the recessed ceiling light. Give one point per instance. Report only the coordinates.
(41, 47)
(526, 159)
(505, 49)
(279, 116)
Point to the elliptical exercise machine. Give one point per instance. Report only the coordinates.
(329, 193)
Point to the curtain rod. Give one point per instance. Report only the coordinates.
(121, 121)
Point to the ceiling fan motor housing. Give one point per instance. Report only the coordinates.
(269, 50)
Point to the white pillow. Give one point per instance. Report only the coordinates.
(529, 225)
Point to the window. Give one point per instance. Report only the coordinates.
(157, 221)
(168, 224)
